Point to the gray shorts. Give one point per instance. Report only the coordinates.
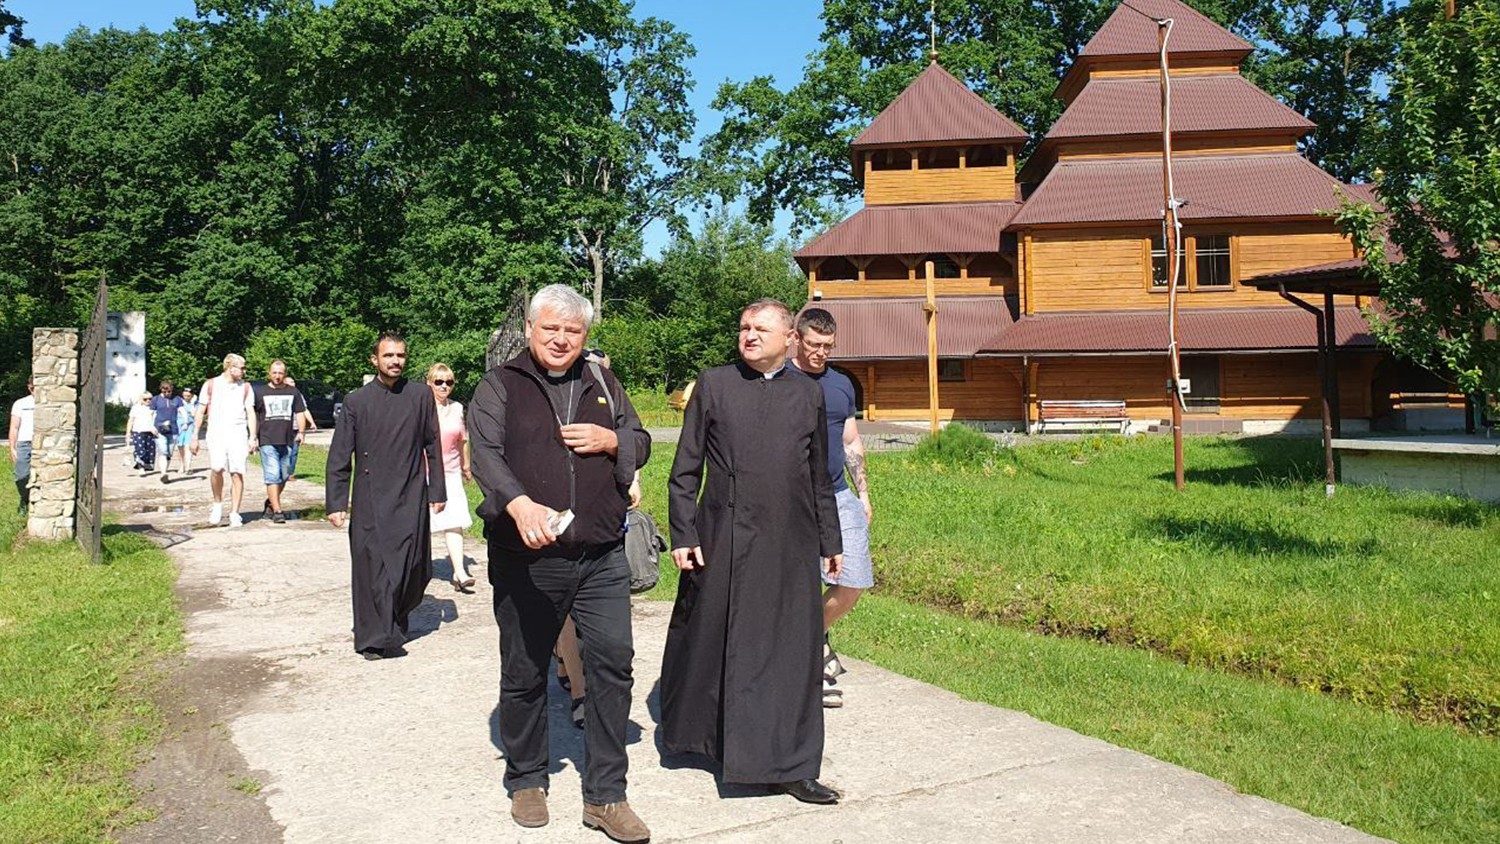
(23, 460)
(858, 571)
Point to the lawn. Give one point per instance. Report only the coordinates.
(652, 407)
(79, 653)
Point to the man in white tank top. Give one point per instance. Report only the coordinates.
(228, 406)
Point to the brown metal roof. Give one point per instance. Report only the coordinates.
(1345, 278)
(937, 108)
(876, 329)
(915, 230)
(1131, 31)
(1198, 330)
(1214, 187)
(1365, 192)
(1216, 103)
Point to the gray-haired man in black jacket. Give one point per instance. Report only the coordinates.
(553, 437)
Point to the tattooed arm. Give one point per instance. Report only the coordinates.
(854, 465)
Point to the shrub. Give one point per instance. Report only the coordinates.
(337, 355)
(957, 445)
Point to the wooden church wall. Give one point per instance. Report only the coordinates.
(896, 390)
(971, 184)
(1109, 268)
(1266, 386)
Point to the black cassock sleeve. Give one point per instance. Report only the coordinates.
(830, 535)
(340, 460)
(687, 469)
(432, 443)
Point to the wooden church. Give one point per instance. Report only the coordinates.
(1051, 280)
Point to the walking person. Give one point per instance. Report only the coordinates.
(187, 429)
(377, 459)
(570, 674)
(22, 428)
(817, 336)
(555, 445)
(278, 414)
(455, 518)
(226, 417)
(140, 432)
(742, 674)
(165, 405)
(308, 425)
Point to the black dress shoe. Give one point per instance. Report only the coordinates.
(808, 791)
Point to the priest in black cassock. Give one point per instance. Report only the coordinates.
(386, 427)
(742, 677)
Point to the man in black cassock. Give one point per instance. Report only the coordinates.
(742, 677)
(386, 427)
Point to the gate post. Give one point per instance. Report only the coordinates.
(54, 471)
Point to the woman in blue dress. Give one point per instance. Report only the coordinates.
(187, 430)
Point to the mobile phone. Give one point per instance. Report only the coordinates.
(559, 522)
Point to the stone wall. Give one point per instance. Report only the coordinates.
(54, 448)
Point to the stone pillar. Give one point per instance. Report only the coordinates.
(54, 448)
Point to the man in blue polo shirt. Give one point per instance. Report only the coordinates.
(816, 338)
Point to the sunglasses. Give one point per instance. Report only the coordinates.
(441, 383)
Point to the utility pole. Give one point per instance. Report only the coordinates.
(930, 308)
(1171, 231)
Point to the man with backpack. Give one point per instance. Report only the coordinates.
(228, 408)
(555, 444)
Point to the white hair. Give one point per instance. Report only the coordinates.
(563, 301)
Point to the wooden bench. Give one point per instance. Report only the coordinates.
(1081, 414)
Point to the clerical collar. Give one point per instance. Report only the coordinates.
(556, 373)
(773, 373)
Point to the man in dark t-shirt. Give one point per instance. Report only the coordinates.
(279, 416)
(816, 339)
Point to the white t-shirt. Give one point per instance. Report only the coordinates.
(229, 407)
(142, 419)
(25, 409)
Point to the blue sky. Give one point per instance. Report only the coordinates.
(736, 39)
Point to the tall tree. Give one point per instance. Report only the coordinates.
(628, 167)
(789, 150)
(11, 25)
(1439, 160)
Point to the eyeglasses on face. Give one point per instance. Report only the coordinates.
(442, 383)
(819, 347)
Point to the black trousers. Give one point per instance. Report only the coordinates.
(534, 593)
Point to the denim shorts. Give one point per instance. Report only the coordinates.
(858, 571)
(23, 460)
(275, 463)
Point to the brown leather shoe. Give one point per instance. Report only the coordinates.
(617, 820)
(528, 807)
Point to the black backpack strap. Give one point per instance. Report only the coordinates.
(598, 371)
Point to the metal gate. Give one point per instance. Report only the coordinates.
(88, 499)
(509, 339)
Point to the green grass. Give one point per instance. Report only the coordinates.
(79, 655)
(247, 785)
(1391, 600)
(651, 406)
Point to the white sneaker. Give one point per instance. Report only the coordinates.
(235, 520)
(216, 515)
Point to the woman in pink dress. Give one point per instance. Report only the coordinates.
(455, 518)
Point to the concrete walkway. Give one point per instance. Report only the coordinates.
(346, 750)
